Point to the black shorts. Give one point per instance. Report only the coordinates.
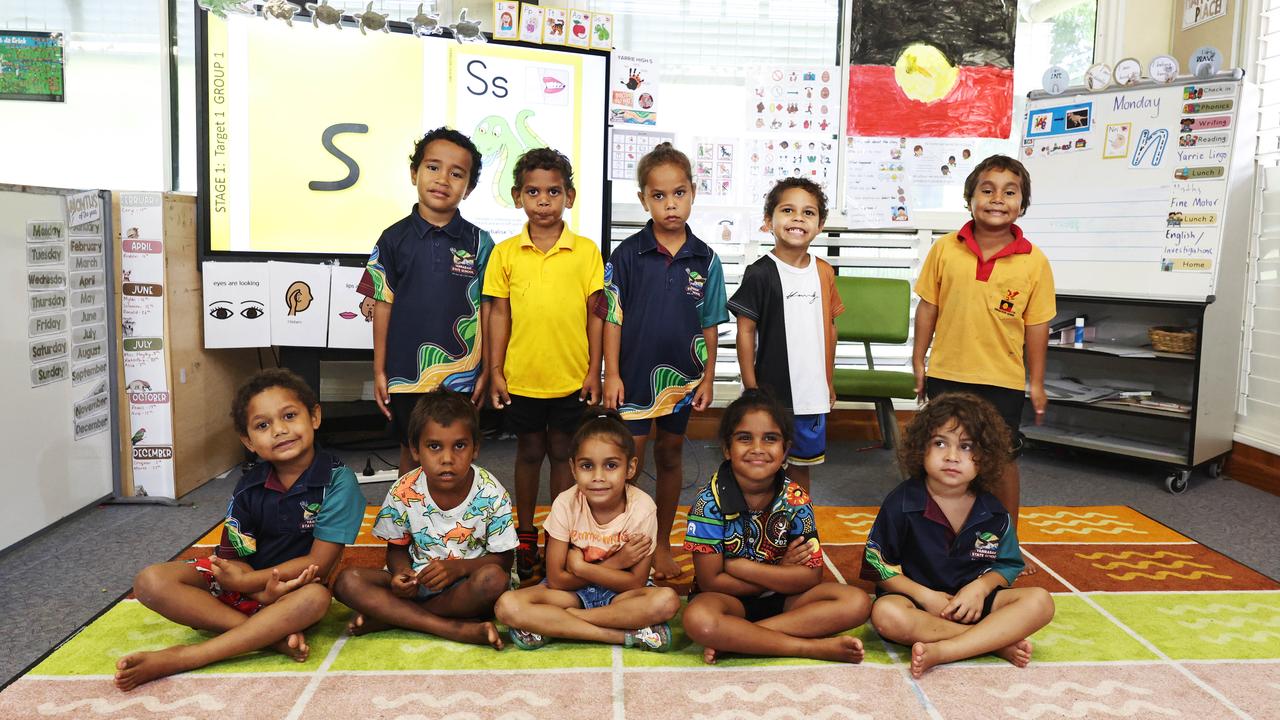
(986, 604)
(758, 608)
(1007, 401)
(401, 408)
(531, 415)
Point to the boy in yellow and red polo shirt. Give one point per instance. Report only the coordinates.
(544, 341)
(986, 294)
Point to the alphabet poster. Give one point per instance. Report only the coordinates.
(237, 297)
(299, 303)
(510, 100)
(931, 69)
(350, 313)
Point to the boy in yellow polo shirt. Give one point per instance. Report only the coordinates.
(545, 343)
(986, 293)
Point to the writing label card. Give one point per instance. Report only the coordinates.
(237, 305)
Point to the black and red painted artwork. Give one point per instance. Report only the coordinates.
(941, 68)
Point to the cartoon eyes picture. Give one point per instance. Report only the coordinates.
(224, 310)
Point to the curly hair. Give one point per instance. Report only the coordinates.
(444, 407)
(978, 418)
(749, 401)
(662, 154)
(448, 134)
(262, 381)
(606, 424)
(543, 159)
(774, 196)
(999, 162)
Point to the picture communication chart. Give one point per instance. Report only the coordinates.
(1129, 187)
(309, 132)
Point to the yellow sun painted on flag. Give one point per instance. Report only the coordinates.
(924, 73)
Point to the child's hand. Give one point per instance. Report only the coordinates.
(277, 588)
(440, 574)
(1039, 401)
(705, 392)
(613, 391)
(498, 394)
(636, 548)
(831, 398)
(404, 584)
(573, 560)
(590, 392)
(935, 602)
(918, 369)
(966, 606)
(798, 552)
(478, 394)
(380, 394)
(228, 573)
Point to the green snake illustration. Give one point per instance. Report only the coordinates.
(496, 141)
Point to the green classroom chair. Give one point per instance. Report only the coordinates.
(876, 310)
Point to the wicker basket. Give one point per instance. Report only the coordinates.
(1172, 339)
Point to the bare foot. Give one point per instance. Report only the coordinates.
(295, 646)
(1019, 653)
(361, 625)
(925, 656)
(492, 636)
(709, 656)
(138, 668)
(664, 564)
(1028, 568)
(841, 648)
(476, 633)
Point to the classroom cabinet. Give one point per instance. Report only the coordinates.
(1176, 409)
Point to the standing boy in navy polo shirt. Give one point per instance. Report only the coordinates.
(430, 265)
(286, 526)
(660, 364)
(943, 551)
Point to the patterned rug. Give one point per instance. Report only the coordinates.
(1149, 624)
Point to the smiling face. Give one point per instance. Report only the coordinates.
(756, 450)
(601, 470)
(668, 197)
(441, 179)
(544, 197)
(795, 221)
(997, 200)
(280, 428)
(950, 461)
(445, 453)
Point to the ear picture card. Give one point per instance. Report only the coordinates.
(299, 303)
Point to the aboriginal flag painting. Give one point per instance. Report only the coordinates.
(931, 68)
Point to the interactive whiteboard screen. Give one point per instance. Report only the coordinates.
(308, 132)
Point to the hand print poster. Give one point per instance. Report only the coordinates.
(512, 99)
(935, 69)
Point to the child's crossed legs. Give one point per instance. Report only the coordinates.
(1015, 614)
(460, 612)
(559, 613)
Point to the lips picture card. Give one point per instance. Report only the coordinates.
(236, 304)
(299, 303)
(350, 313)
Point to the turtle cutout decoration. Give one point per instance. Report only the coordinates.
(222, 7)
(325, 13)
(371, 20)
(424, 24)
(467, 30)
(282, 9)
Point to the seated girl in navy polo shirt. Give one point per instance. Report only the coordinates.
(287, 523)
(943, 551)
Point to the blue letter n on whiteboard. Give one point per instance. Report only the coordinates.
(1151, 139)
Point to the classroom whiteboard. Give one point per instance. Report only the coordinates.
(58, 430)
(1130, 187)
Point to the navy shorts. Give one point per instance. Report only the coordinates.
(674, 424)
(810, 444)
(534, 415)
(1007, 401)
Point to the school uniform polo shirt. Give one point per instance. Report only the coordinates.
(760, 298)
(662, 303)
(267, 524)
(911, 536)
(984, 307)
(548, 292)
(432, 277)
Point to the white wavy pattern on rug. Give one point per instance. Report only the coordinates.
(1058, 689)
(1247, 609)
(467, 715)
(1091, 709)
(786, 713)
(1231, 622)
(150, 703)
(1261, 636)
(864, 521)
(760, 693)
(458, 698)
(1132, 554)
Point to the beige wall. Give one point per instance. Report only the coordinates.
(1219, 33)
(1147, 27)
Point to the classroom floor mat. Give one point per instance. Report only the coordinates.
(1149, 624)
